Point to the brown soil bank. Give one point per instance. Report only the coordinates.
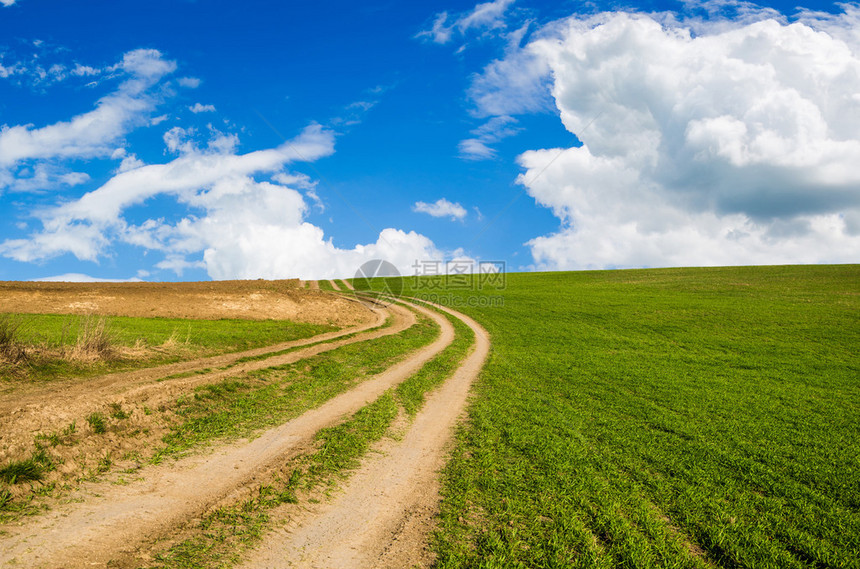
(253, 300)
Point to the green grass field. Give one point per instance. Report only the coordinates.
(168, 339)
(661, 418)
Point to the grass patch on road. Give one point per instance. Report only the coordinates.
(685, 418)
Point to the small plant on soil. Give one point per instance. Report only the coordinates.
(118, 413)
(5, 498)
(21, 471)
(97, 422)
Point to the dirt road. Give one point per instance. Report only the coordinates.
(118, 524)
(50, 407)
(384, 514)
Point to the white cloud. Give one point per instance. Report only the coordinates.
(199, 108)
(82, 278)
(704, 142)
(15, 69)
(494, 130)
(130, 162)
(441, 208)
(84, 71)
(483, 17)
(188, 82)
(488, 15)
(179, 139)
(439, 33)
(236, 226)
(7, 3)
(94, 133)
(43, 177)
(516, 84)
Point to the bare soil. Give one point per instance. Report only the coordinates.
(117, 524)
(253, 300)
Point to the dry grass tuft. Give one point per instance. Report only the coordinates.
(94, 341)
(11, 350)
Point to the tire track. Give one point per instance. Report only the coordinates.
(116, 523)
(386, 511)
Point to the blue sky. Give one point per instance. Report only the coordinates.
(188, 140)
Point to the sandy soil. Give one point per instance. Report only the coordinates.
(256, 300)
(118, 524)
(383, 516)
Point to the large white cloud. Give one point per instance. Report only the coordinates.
(236, 226)
(704, 142)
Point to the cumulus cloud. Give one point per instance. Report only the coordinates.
(199, 108)
(441, 208)
(94, 133)
(483, 18)
(704, 142)
(7, 3)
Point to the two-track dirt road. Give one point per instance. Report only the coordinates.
(383, 515)
(118, 525)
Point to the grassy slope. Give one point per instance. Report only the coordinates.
(184, 338)
(663, 418)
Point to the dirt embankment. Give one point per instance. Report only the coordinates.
(253, 300)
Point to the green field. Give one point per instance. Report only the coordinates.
(661, 418)
(160, 340)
